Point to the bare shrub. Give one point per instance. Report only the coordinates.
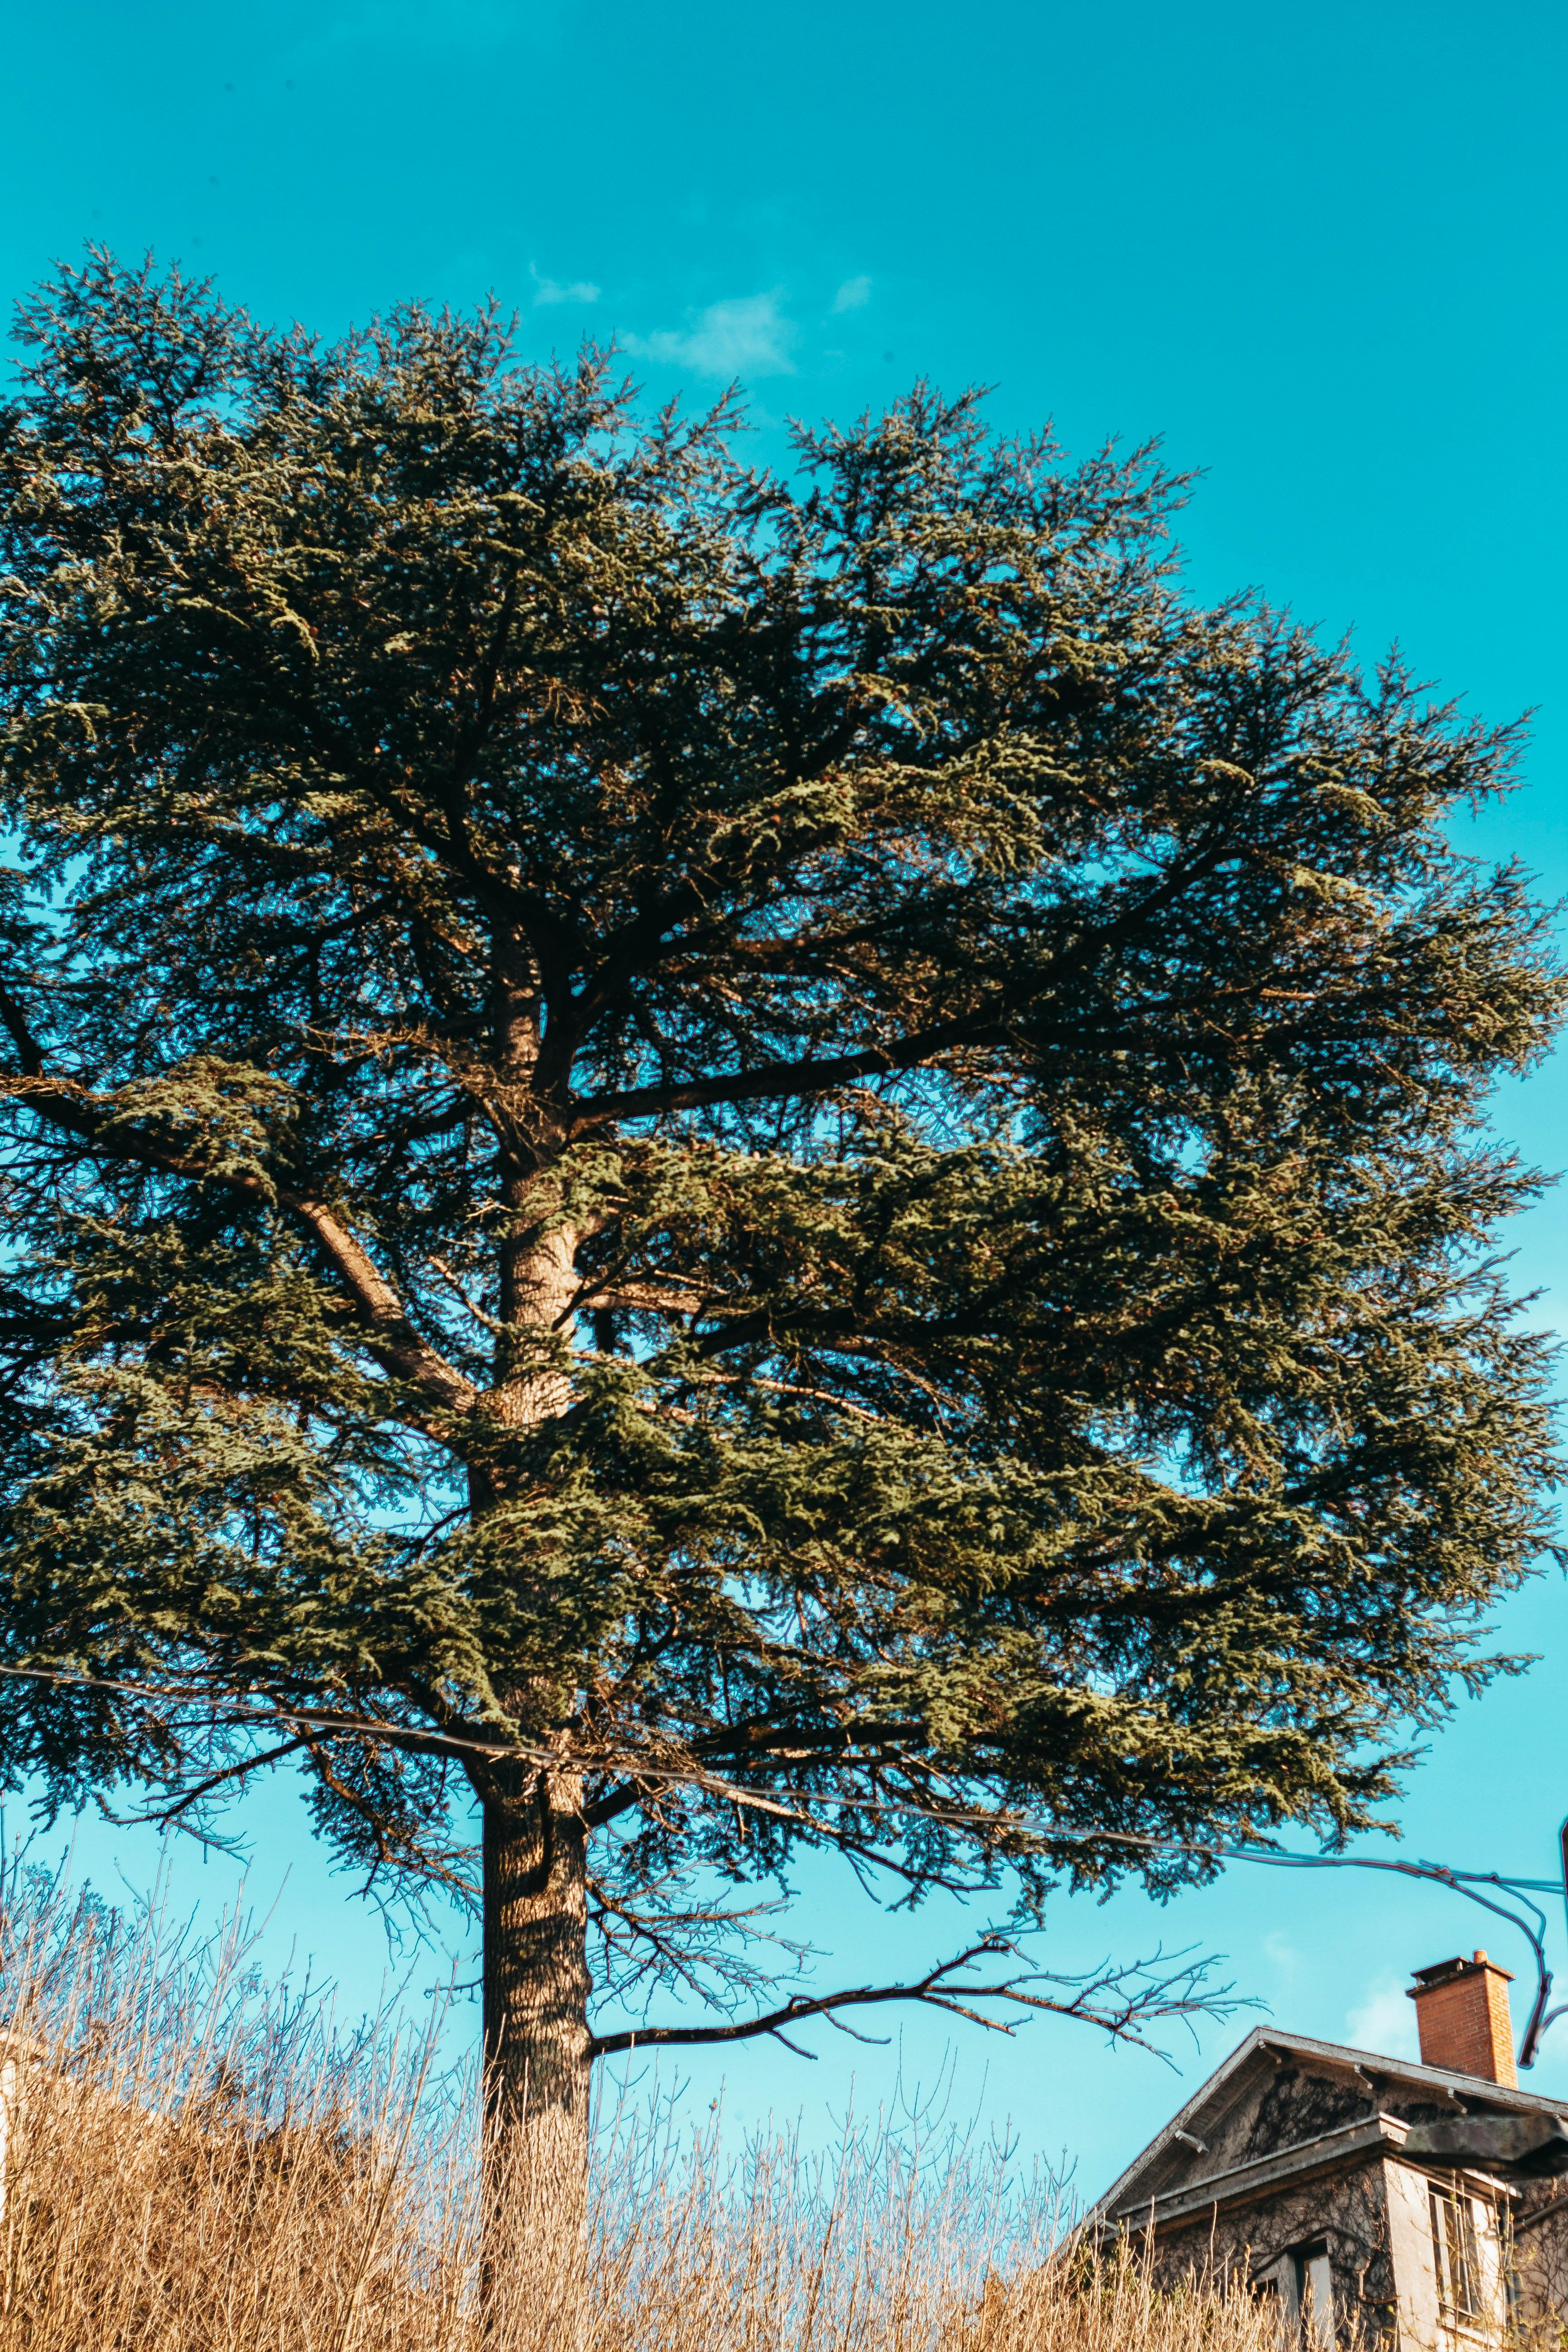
(194, 2162)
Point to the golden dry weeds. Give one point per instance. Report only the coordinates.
(191, 2162)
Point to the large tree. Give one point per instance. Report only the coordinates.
(716, 1159)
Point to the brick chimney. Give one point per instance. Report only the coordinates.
(1461, 2014)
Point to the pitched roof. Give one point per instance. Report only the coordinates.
(1470, 2093)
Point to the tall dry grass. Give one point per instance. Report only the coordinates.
(193, 2161)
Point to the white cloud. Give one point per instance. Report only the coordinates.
(749, 337)
(853, 295)
(1386, 2021)
(550, 290)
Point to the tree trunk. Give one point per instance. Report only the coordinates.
(537, 2070)
(536, 2067)
(536, 2064)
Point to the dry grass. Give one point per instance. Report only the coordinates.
(194, 2163)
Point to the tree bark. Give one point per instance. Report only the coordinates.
(537, 2070)
(535, 1952)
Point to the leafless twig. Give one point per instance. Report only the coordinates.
(1122, 2000)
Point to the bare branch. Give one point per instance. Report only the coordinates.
(488, 1322)
(189, 1799)
(659, 1933)
(1121, 2001)
(651, 1295)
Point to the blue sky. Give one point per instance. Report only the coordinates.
(1319, 248)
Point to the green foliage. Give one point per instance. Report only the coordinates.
(804, 1136)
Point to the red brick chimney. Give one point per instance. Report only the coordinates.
(1461, 2013)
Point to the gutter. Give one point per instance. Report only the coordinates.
(1322, 2153)
(1307, 2159)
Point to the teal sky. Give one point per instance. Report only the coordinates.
(1319, 248)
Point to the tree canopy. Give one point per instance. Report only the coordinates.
(732, 1158)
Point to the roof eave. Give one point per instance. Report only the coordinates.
(1461, 2087)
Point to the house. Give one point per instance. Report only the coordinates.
(1418, 2208)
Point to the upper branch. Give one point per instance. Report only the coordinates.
(773, 1080)
(988, 1026)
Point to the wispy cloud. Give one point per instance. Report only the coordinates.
(550, 290)
(1283, 1952)
(1385, 2022)
(853, 295)
(749, 337)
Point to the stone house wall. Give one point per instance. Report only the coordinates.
(1430, 2207)
(1346, 2214)
(1541, 2250)
(1373, 2223)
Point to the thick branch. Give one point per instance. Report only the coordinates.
(390, 1336)
(799, 1740)
(772, 1081)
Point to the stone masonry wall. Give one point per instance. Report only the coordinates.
(1347, 2211)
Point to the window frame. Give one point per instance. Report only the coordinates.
(1455, 2255)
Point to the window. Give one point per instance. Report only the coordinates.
(1299, 2287)
(1315, 2295)
(1454, 2248)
